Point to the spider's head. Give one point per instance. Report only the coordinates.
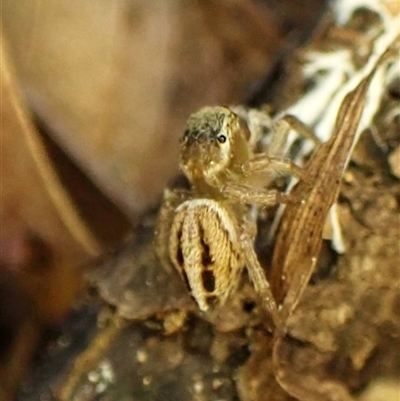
(208, 143)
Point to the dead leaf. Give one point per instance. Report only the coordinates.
(299, 238)
(298, 246)
(115, 82)
(33, 201)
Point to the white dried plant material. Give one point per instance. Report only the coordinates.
(319, 107)
(338, 243)
(329, 70)
(344, 9)
(335, 75)
(102, 376)
(393, 73)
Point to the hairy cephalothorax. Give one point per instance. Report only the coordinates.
(207, 233)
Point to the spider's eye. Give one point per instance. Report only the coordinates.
(221, 138)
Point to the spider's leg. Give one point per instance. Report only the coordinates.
(257, 275)
(264, 163)
(280, 133)
(259, 196)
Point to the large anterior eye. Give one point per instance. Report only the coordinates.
(221, 138)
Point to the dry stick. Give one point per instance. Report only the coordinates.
(86, 360)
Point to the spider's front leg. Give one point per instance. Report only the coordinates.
(280, 134)
(258, 196)
(263, 163)
(264, 168)
(272, 162)
(256, 272)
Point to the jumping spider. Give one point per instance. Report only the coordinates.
(208, 232)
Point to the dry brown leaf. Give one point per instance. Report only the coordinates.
(115, 82)
(42, 239)
(299, 238)
(33, 201)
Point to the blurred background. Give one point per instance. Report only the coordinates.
(94, 98)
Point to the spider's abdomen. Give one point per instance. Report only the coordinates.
(205, 249)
